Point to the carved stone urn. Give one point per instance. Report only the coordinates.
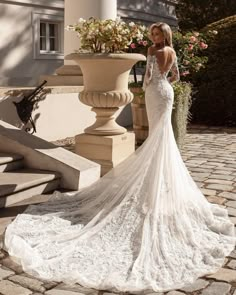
(105, 87)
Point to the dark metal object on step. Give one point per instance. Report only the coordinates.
(25, 107)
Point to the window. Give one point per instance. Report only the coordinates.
(49, 37)
(48, 33)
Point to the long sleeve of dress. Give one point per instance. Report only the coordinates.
(149, 70)
(174, 72)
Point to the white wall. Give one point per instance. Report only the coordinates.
(18, 67)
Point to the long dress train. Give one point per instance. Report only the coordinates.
(143, 226)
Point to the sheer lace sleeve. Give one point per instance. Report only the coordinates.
(149, 70)
(174, 72)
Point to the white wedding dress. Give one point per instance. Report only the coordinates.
(143, 226)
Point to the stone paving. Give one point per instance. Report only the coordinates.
(210, 155)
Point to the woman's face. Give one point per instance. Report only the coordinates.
(157, 36)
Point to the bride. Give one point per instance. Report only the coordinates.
(144, 226)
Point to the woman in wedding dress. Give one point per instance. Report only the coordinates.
(144, 226)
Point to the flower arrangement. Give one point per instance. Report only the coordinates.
(140, 46)
(107, 36)
(189, 49)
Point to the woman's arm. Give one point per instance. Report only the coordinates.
(174, 72)
(149, 69)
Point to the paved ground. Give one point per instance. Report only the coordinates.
(210, 154)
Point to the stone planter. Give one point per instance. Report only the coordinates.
(105, 87)
(139, 114)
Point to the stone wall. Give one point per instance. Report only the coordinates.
(148, 11)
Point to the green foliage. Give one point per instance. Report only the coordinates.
(215, 103)
(196, 14)
(190, 49)
(138, 84)
(136, 89)
(180, 112)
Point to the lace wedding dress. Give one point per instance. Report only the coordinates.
(143, 226)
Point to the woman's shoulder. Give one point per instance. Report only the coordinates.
(167, 50)
(163, 51)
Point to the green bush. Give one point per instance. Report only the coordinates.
(196, 14)
(214, 102)
(180, 111)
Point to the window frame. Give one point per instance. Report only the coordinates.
(37, 18)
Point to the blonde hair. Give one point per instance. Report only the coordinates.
(166, 31)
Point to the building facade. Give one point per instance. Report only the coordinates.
(32, 34)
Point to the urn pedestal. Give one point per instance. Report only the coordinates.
(105, 90)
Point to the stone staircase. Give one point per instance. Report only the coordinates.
(18, 183)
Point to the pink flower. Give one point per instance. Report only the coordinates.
(190, 47)
(145, 43)
(132, 45)
(185, 73)
(203, 45)
(193, 39)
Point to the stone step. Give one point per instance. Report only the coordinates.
(25, 183)
(10, 161)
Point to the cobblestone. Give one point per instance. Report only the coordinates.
(208, 192)
(198, 285)
(9, 288)
(222, 187)
(216, 200)
(223, 177)
(225, 172)
(27, 282)
(219, 181)
(231, 204)
(5, 273)
(175, 293)
(231, 211)
(2, 253)
(62, 292)
(233, 254)
(76, 288)
(232, 264)
(9, 263)
(217, 288)
(224, 274)
(228, 195)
